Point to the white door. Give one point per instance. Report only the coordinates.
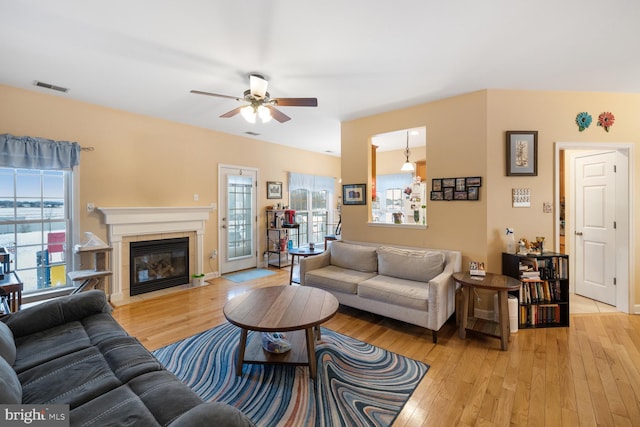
(595, 226)
(238, 201)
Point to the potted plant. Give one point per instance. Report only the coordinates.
(197, 279)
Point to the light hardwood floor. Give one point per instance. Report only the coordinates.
(584, 375)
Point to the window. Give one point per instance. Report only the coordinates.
(35, 225)
(311, 197)
(311, 213)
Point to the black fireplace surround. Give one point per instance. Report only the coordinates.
(158, 264)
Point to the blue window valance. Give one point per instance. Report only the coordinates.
(29, 152)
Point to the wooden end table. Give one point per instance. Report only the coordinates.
(302, 252)
(12, 285)
(296, 310)
(492, 282)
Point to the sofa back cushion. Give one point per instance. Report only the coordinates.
(354, 257)
(10, 387)
(7, 344)
(408, 264)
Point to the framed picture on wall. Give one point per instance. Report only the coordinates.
(354, 194)
(274, 190)
(448, 193)
(472, 193)
(522, 153)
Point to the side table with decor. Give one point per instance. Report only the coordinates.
(493, 282)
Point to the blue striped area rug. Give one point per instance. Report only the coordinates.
(357, 384)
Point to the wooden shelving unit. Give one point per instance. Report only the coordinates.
(96, 278)
(544, 292)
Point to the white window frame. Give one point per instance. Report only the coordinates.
(71, 190)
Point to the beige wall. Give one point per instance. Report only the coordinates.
(466, 137)
(456, 129)
(143, 161)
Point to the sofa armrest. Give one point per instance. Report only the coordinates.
(313, 263)
(442, 291)
(57, 312)
(212, 414)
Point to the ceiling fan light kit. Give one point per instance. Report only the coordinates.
(260, 102)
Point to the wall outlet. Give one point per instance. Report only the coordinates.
(214, 254)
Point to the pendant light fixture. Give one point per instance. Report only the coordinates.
(407, 166)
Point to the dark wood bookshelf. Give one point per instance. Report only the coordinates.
(543, 297)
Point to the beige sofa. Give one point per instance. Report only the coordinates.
(413, 285)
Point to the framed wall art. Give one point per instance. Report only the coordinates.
(354, 194)
(456, 189)
(522, 153)
(274, 190)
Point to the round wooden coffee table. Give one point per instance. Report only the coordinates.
(297, 310)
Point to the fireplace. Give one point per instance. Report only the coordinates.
(132, 224)
(158, 264)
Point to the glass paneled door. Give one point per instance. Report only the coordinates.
(238, 203)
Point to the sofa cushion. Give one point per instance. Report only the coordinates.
(151, 399)
(7, 344)
(405, 293)
(48, 344)
(354, 257)
(72, 379)
(10, 388)
(212, 414)
(408, 264)
(127, 358)
(336, 278)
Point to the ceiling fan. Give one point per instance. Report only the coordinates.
(260, 102)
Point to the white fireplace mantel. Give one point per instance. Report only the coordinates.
(135, 221)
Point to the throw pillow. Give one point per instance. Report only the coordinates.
(10, 387)
(7, 344)
(420, 266)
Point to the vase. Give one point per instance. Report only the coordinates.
(416, 217)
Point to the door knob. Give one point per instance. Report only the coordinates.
(578, 233)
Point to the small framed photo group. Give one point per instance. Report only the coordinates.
(467, 188)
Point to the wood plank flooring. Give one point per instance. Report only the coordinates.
(584, 375)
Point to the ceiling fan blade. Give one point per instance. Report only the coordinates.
(199, 92)
(258, 85)
(232, 113)
(277, 114)
(296, 102)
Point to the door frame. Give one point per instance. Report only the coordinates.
(625, 267)
(221, 194)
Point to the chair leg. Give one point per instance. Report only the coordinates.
(434, 336)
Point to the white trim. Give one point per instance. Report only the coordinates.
(625, 268)
(134, 221)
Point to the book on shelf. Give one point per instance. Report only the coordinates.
(538, 291)
(538, 315)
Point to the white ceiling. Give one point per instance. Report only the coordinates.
(358, 57)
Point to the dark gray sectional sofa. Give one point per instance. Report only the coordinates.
(72, 351)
